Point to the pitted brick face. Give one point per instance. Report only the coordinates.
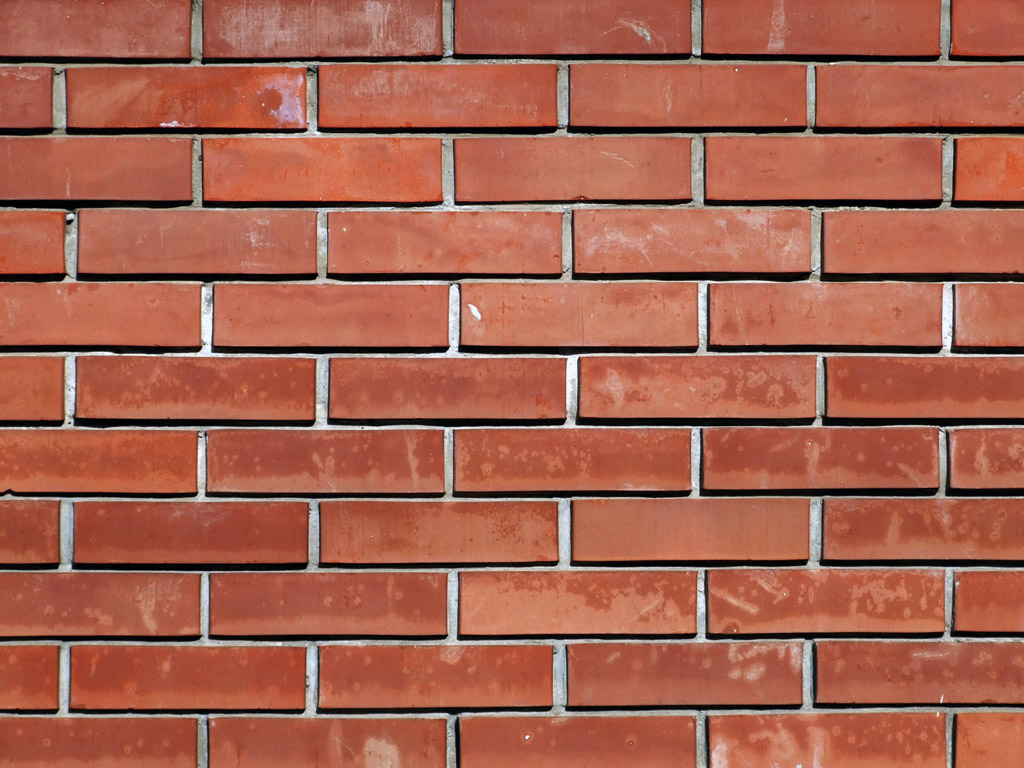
(493, 383)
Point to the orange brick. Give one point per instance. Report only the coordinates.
(98, 605)
(196, 242)
(402, 96)
(689, 530)
(986, 459)
(147, 388)
(318, 29)
(315, 604)
(26, 101)
(825, 601)
(574, 742)
(989, 602)
(989, 169)
(989, 739)
(141, 315)
(330, 316)
(98, 461)
(415, 532)
(31, 389)
(673, 96)
(183, 98)
(31, 243)
(989, 316)
(579, 315)
(825, 315)
(825, 168)
(190, 533)
(987, 28)
(302, 742)
(187, 678)
(688, 674)
(29, 532)
(140, 29)
(691, 240)
(65, 168)
(822, 28)
(572, 168)
(571, 27)
(733, 387)
(874, 740)
(378, 243)
(581, 460)
(387, 461)
(924, 673)
(820, 458)
(322, 169)
(435, 677)
(28, 677)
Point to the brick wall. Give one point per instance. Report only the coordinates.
(511, 383)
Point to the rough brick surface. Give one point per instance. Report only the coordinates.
(493, 383)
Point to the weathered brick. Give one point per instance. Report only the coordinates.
(31, 389)
(31, 243)
(26, 101)
(28, 677)
(29, 532)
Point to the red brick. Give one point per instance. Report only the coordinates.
(28, 677)
(821, 458)
(322, 169)
(435, 677)
(691, 240)
(113, 742)
(318, 29)
(97, 461)
(323, 742)
(190, 533)
(825, 315)
(924, 529)
(326, 316)
(989, 602)
(684, 674)
(193, 678)
(31, 243)
(100, 315)
(418, 533)
(989, 316)
(986, 459)
(571, 27)
(689, 530)
(98, 604)
(989, 169)
(558, 603)
(987, 28)
(572, 168)
(825, 168)
(872, 96)
(679, 96)
(196, 242)
(925, 673)
(567, 459)
(87, 29)
(579, 314)
(822, 28)
(825, 601)
(95, 168)
(26, 98)
(874, 740)
(361, 604)
(31, 389)
(29, 532)
(391, 461)
(445, 243)
(924, 242)
(393, 96)
(733, 387)
(989, 739)
(147, 388)
(448, 388)
(181, 98)
(901, 388)
(577, 742)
